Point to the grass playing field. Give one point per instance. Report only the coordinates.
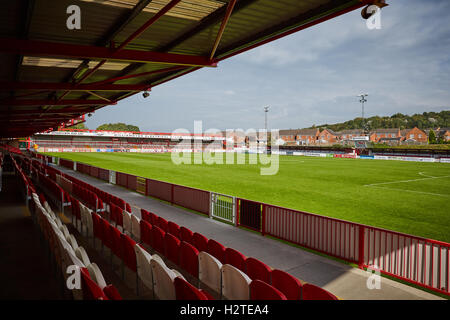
(410, 197)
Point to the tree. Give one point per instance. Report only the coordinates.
(118, 127)
(431, 137)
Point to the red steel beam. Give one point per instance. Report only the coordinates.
(222, 27)
(53, 111)
(7, 86)
(65, 50)
(31, 102)
(177, 75)
(138, 32)
(296, 29)
(146, 25)
(137, 75)
(27, 118)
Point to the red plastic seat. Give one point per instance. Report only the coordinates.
(260, 290)
(207, 294)
(76, 208)
(186, 291)
(186, 234)
(189, 258)
(116, 215)
(289, 285)
(145, 215)
(97, 227)
(153, 218)
(116, 242)
(106, 233)
(91, 291)
(257, 270)
(235, 258)
(172, 248)
(200, 242)
(146, 232)
(128, 253)
(173, 229)
(111, 293)
(158, 239)
(312, 292)
(216, 249)
(163, 224)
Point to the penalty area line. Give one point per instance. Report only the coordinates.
(404, 190)
(400, 181)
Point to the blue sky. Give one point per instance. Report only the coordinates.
(311, 77)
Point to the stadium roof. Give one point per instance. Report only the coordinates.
(50, 74)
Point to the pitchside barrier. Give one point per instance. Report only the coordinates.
(423, 262)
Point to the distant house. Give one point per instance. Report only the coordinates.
(443, 133)
(299, 136)
(377, 134)
(328, 136)
(391, 141)
(307, 136)
(289, 136)
(350, 134)
(414, 135)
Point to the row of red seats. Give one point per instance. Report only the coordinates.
(122, 246)
(88, 197)
(11, 149)
(90, 289)
(104, 196)
(181, 246)
(54, 188)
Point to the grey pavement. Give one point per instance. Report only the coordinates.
(342, 280)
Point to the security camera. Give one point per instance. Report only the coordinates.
(369, 10)
(145, 94)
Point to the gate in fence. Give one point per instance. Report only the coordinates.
(223, 207)
(250, 213)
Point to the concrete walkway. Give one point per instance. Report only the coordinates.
(340, 279)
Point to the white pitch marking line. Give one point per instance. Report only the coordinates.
(404, 190)
(423, 174)
(376, 184)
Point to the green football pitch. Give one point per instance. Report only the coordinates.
(409, 197)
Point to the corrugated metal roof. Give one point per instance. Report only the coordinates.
(34, 70)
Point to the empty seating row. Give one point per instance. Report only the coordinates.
(177, 243)
(151, 269)
(68, 254)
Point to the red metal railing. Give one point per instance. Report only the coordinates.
(160, 190)
(191, 198)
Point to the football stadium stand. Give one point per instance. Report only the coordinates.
(57, 68)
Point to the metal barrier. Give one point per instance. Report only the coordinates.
(223, 207)
(250, 213)
(66, 163)
(417, 260)
(121, 179)
(160, 190)
(334, 237)
(191, 198)
(103, 174)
